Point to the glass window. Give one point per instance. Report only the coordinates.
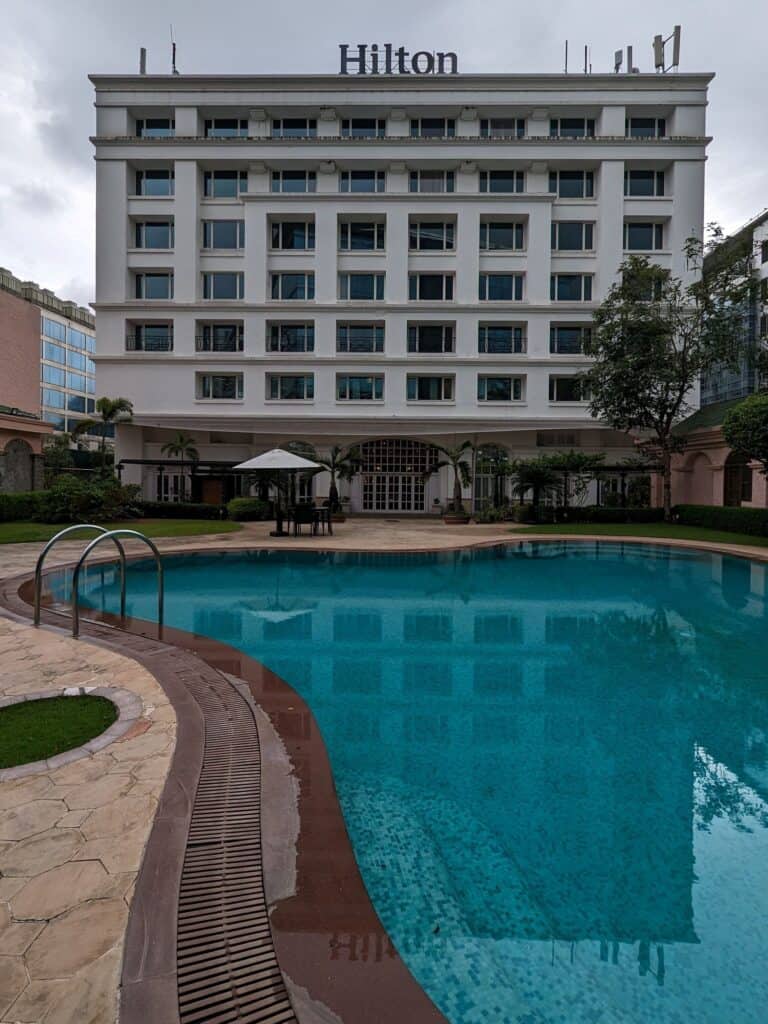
(55, 399)
(154, 286)
(90, 343)
(502, 181)
(429, 389)
(224, 386)
(643, 183)
(55, 418)
(291, 337)
(90, 386)
(294, 181)
(501, 287)
(428, 236)
(572, 236)
(154, 183)
(764, 252)
(430, 287)
(572, 184)
(568, 339)
(502, 128)
(359, 338)
(501, 235)
(55, 353)
(500, 339)
(431, 181)
(361, 235)
(643, 237)
(90, 366)
(53, 329)
(293, 234)
(499, 389)
(76, 360)
(361, 287)
(76, 403)
(572, 127)
(290, 387)
(646, 127)
(222, 285)
(359, 389)
(362, 181)
(570, 287)
(294, 128)
(77, 339)
(150, 338)
(363, 128)
(76, 381)
(295, 287)
(226, 128)
(219, 337)
(223, 234)
(568, 389)
(433, 127)
(155, 127)
(154, 235)
(431, 339)
(224, 184)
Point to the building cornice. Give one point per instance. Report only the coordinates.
(325, 141)
(371, 310)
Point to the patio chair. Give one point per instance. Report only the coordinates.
(303, 515)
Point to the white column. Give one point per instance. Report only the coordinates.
(609, 240)
(186, 221)
(396, 284)
(325, 253)
(255, 257)
(112, 188)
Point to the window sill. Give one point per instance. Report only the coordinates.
(361, 252)
(506, 402)
(217, 401)
(577, 405)
(496, 253)
(647, 252)
(170, 196)
(431, 252)
(572, 253)
(290, 252)
(430, 401)
(289, 401)
(222, 252)
(360, 401)
(214, 299)
(220, 199)
(287, 355)
(147, 248)
(647, 198)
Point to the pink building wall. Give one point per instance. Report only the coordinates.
(19, 353)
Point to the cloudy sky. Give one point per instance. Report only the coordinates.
(48, 47)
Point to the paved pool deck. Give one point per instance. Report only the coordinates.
(72, 837)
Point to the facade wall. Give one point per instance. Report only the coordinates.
(167, 387)
(19, 353)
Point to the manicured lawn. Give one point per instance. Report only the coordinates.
(39, 729)
(661, 530)
(16, 533)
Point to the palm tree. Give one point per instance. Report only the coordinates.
(111, 411)
(182, 447)
(462, 474)
(536, 475)
(342, 464)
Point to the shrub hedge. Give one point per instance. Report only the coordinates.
(23, 505)
(245, 510)
(71, 500)
(602, 514)
(181, 510)
(736, 520)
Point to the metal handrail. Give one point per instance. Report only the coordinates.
(39, 566)
(112, 535)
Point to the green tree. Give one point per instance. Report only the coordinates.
(745, 428)
(57, 456)
(653, 337)
(111, 411)
(181, 447)
(539, 476)
(577, 468)
(342, 464)
(456, 459)
(492, 460)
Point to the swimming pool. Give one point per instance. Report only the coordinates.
(552, 760)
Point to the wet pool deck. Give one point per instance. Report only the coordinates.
(72, 837)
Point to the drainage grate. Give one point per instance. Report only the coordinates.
(227, 967)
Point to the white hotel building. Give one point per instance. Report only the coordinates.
(387, 260)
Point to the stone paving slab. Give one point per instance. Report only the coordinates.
(72, 836)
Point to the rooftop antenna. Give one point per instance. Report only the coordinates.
(586, 60)
(659, 48)
(143, 60)
(618, 60)
(174, 69)
(566, 56)
(631, 69)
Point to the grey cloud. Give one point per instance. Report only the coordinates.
(36, 199)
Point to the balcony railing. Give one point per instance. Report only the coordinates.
(140, 343)
(209, 343)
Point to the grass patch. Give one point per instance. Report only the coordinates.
(38, 729)
(671, 531)
(18, 533)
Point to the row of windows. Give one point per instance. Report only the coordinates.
(60, 422)
(61, 400)
(358, 338)
(420, 127)
(67, 335)
(288, 286)
(67, 379)
(76, 360)
(300, 387)
(566, 184)
(423, 236)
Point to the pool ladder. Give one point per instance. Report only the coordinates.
(104, 534)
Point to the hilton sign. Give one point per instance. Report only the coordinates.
(370, 60)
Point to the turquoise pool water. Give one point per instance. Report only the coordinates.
(552, 760)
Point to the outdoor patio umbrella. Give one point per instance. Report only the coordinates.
(278, 461)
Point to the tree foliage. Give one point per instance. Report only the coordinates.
(745, 428)
(110, 411)
(455, 458)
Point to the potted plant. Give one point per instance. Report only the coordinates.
(455, 458)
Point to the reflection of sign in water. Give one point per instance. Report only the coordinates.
(369, 60)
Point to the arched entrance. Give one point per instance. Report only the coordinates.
(393, 475)
(18, 467)
(737, 480)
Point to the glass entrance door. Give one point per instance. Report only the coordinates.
(393, 492)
